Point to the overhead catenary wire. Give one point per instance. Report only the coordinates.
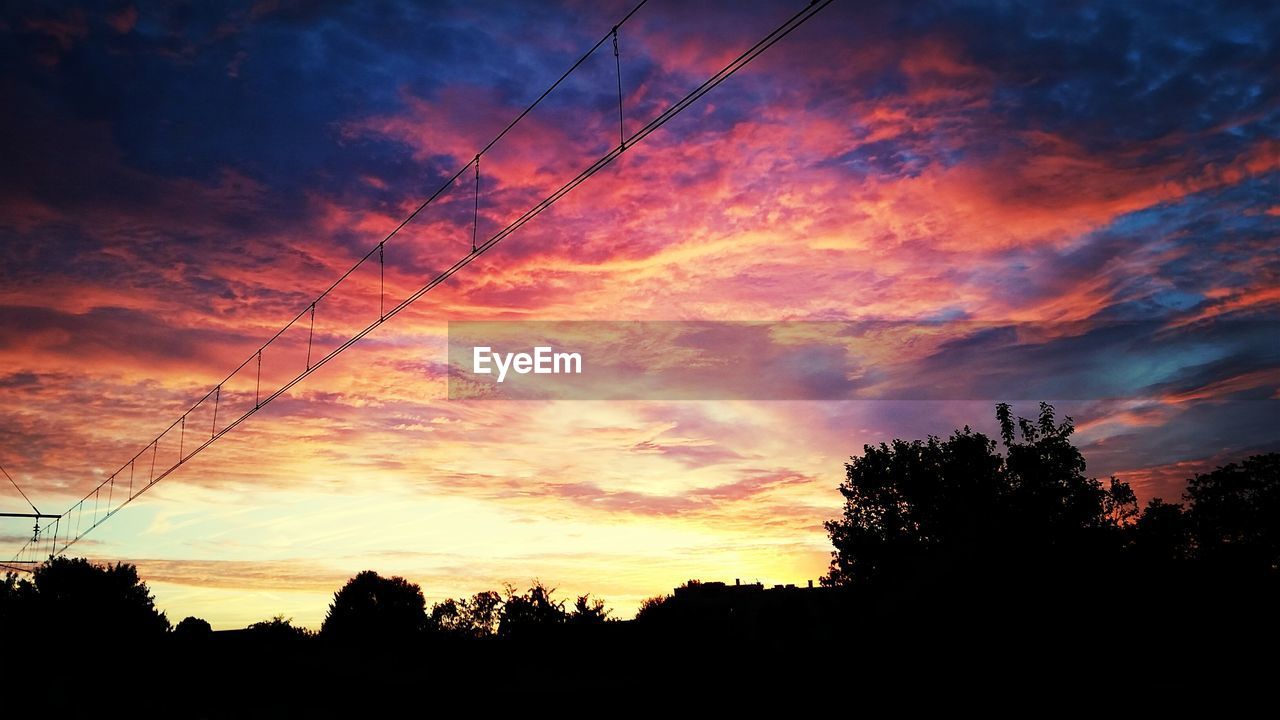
(781, 31)
(19, 489)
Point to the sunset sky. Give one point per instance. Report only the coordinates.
(179, 180)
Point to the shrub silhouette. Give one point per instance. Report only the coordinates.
(192, 628)
(370, 606)
(279, 629)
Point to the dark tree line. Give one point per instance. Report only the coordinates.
(84, 599)
(370, 606)
(937, 511)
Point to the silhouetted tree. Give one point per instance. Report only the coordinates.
(1120, 504)
(949, 503)
(531, 610)
(11, 601)
(587, 611)
(476, 617)
(1234, 514)
(372, 607)
(651, 608)
(668, 607)
(76, 598)
(192, 628)
(279, 629)
(1162, 535)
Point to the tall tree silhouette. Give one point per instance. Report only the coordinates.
(373, 607)
(76, 598)
(1234, 516)
(924, 506)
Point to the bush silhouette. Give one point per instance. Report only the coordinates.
(278, 630)
(373, 607)
(192, 628)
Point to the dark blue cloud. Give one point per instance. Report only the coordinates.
(194, 89)
(1110, 74)
(1215, 239)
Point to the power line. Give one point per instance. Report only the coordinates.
(77, 510)
(15, 487)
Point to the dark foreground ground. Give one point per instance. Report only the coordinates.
(1207, 644)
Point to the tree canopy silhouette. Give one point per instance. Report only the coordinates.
(370, 606)
(1235, 515)
(476, 617)
(488, 614)
(1228, 523)
(279, 629)
(587, 611)
(533, 610)
(921, 506)
(192, 628)
(76, 598)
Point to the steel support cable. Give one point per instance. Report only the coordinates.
(676, 108)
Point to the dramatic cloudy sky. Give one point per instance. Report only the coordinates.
(1080, 201)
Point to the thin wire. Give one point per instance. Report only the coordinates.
(617, 63)
(566, 74)
(475, 218)
(15, 487)
(723, 74)
(394, 231)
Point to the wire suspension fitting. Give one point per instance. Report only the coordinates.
(310, 334)
(475, 216)
(617, 63)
